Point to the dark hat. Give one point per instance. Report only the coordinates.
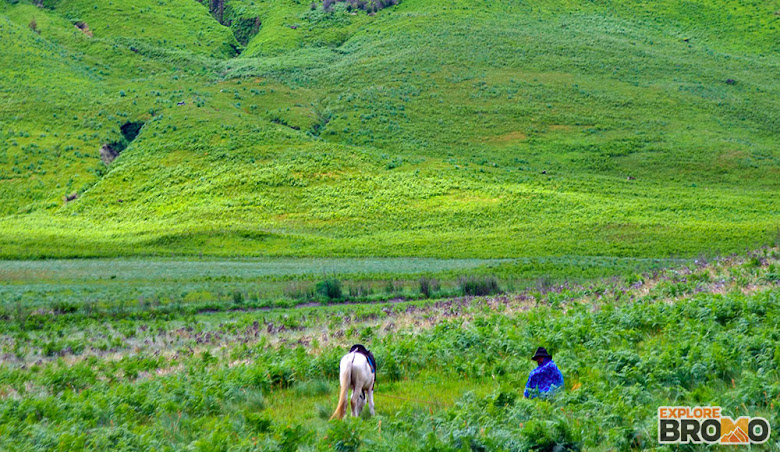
(541, 352)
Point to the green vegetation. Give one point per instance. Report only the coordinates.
(207, 284)
(251, 186)
(450, 372)
(438, 129)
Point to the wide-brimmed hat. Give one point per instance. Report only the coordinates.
(541, 352)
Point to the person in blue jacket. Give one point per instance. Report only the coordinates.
(546, 378)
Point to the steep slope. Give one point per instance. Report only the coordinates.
(42, 146)
(457, 129)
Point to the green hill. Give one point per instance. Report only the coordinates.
(442, 129)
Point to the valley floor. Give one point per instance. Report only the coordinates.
(450, 370)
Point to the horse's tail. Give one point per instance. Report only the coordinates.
(346, 379)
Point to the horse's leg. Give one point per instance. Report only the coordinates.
(371, 401)
(361, 403)
(355, 402)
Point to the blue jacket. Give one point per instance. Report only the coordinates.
(545, 378)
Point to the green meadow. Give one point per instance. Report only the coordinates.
(451, 371)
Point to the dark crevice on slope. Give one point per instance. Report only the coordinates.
(243, 28)
(110, 151)
(322, 116)
(130, 130)
(217, 9)
(280, 121)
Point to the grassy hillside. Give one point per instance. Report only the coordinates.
(171, 25)
(451, 372)
(442, 129)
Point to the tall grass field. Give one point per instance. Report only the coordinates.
(205, 203)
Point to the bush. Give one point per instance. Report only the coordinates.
(345, 435)
(393, 287)
(330, 288)
(428, 286)
(257, 422)
(391, 368)
(551, 435)
(477, 286)
(290, 438)
(64, 307)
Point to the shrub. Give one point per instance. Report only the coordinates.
(345, 435)
(281, 376)
(773, 274)
(64, 307)
(290, 438)
(391, 369)
(551, 435)
(330, 288)
(393, 286)
(257, 422)
(505, 399)
(428, 286)
(478, 286)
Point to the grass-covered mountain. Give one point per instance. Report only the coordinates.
(432, 128)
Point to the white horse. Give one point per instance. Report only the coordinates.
(355, 373)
